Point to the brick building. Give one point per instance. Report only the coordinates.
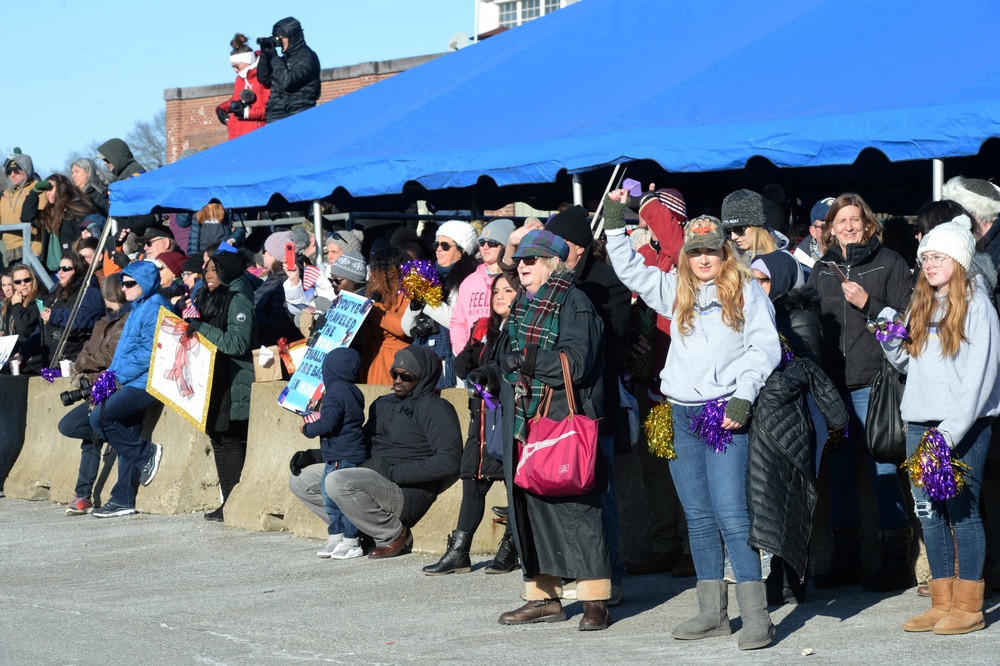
(191, 119)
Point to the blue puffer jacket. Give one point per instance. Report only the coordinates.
(342, 411)
(131, 362)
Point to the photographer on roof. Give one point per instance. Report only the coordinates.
(294, 76)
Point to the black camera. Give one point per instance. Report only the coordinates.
(269, 42)
(76, 395)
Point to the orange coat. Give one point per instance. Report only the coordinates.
(382, 336)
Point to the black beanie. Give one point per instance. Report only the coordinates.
(572, 225)
(228, 266)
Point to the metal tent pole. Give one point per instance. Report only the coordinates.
(937, 169)
(577, 190)
(318, 230)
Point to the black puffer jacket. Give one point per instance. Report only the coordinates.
(416, 441)
(293, 78)
(852, 355)
(796, 316)
(781, 492)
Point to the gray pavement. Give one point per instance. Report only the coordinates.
(177, 590)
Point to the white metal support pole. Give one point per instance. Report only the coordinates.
(318, 230)
(937, 167)
(577, 190)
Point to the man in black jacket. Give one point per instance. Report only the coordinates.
(416, 447)
(293, 77)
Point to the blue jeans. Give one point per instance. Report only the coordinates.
(339, 524)
(609, 506)
(842, 461)
(76, 425)
(119, 422)
(960, 514)
(712, 490)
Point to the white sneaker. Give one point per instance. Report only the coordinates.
(331, 545)
(344, 551)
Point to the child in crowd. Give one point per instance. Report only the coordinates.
(342, 414)
(950, 355)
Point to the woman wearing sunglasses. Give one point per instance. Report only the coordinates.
(55, 317)
(428, 325)
(473, 300)
(23, 312)
(245, 111)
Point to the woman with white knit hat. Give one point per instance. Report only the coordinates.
(950, 352)
(454, 248)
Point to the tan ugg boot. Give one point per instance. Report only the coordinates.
(966, 612)
(940, 589)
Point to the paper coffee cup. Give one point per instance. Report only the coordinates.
(15, 367)
(66, 367)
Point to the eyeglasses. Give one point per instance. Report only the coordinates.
(443, 245)
(934, 260)
(128, 284)
(817, 226)
(737, 231)
(27, 280)
(402, 376)
(65, 269)
(483, 242)
(529, 261)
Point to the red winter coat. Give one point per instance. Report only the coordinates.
(253, 117)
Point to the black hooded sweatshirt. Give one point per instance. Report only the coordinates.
(119, 155)
(342, 410)
(416, 441)
(293, 78)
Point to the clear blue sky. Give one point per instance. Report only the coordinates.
(87, 71)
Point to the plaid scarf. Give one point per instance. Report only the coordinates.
(534, 322)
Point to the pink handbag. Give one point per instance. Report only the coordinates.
(558, 457)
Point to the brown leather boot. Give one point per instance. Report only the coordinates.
(940, 589)
(966, 612)
(544, 610)
(595, 616)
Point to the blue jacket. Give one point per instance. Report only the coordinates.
(132, 355)
(342, 412)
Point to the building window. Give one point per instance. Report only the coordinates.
(508, 14)
(530, 9)
(551, 6)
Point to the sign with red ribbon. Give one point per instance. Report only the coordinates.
(181, 369)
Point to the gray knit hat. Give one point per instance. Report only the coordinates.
(348, 241)
(350, 265)
(743, 208)
(407, 360)
(979, 197)
(300, 237)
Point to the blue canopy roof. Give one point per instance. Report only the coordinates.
(694, 85)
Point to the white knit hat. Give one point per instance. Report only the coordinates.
(462, 233)
(952, 238)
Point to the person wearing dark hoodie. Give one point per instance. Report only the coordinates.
(118, 420)
(292, 77)
(342, 446)
(416, 447)
(226, 319)
(118, 158)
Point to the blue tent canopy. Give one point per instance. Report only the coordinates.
(694, 85)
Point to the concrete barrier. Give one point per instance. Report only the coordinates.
(48, 464)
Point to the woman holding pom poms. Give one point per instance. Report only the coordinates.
(724, 347)
(950, 352)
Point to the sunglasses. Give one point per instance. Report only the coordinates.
(483, 242)
(402, 376)
(529, 261)
(443, 245)
(65, 269)
(27, 280)
(128, 284)
(737, 231)
(13, 170)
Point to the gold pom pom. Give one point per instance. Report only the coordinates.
(660, 431)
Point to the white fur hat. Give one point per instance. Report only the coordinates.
(462, 233)
(980, 197)
(952, 238)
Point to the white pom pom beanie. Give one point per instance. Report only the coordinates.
(952, 238)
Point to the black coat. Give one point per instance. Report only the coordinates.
(852, 355)
(780, 486)
(342, 410)
(416, 441)
(562, 536)
(293, 78)
(270, 309)
(476, 462)
(796, 316)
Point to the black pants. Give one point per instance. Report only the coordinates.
(230, 449)
(473, 506)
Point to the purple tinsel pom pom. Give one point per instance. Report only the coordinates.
(932, 468)
(104, 386)
(50, 374)
(707, 426)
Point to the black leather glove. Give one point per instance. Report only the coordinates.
(424, 326)
(236, 108)
(302, 459)
(268, 48)
(223, 116)
(416, 305)
(512, 362)
(193, 324)
(486, 377)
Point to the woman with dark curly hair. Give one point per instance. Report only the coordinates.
(382, 333)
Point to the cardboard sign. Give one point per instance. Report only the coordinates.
(181, 369)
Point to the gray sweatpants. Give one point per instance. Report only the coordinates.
(305, 486)
(368, 499)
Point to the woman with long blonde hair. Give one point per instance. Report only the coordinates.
(724, 345)
(951, 358)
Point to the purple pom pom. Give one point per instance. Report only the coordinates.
(103, 387)
(707, 426)
(50, 374)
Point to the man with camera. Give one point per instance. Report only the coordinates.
(294, 76)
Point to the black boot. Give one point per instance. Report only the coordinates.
(896, 572)
(505, 560)
(845, 567)
(456, 558)
(784, 585)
